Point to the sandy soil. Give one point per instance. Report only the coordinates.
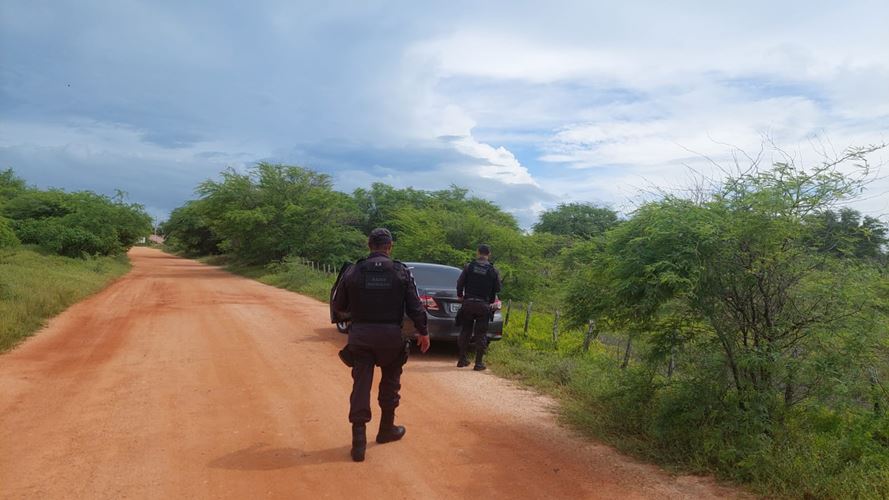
(183, 381)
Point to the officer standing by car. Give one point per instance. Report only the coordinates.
(377, 291)
(477, 287)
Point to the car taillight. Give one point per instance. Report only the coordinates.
(429, 303)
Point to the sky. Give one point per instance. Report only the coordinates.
(528, 104)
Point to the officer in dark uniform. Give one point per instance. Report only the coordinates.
(377, 291)
(478, 286)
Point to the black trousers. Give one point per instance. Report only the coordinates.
(475, 316)
(375, 345)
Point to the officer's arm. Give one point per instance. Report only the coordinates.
(412, 305)
(341, 298)
(461, 282)
(496, 286)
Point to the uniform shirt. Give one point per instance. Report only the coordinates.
(412, 306)
(461, 282)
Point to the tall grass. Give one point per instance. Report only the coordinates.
(290, 275)
(35, 286)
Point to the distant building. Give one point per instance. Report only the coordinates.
(156, 239)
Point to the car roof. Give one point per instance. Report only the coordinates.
(429, 265)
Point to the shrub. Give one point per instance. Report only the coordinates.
(8, 238)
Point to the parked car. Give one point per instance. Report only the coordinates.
(437, 287)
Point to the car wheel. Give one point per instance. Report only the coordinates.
(342, 326)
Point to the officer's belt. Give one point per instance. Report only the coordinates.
(475, 299)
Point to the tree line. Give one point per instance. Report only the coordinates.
(71, 224)
(756, 310)
(276, 211)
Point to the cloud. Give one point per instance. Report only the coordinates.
(527, 104)
(432, 164)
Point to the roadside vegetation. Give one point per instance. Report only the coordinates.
(740, 329)
(290, 274)
(35, 286)
(56, 248)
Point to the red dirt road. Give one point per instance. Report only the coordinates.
(183, 381)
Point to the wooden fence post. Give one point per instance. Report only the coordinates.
(528, 317)
(589, 336)
(626, 360)
(556, 328)
(876, 388)
(672, 364)
(506, 317)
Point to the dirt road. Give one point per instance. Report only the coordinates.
(183, 381)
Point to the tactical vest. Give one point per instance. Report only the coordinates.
(376, 292)
(480, 280)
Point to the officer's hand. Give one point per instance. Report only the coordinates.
(423, 342)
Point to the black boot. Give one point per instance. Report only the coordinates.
(359, 442)
(388, 430)
(462, 361)
(479, 363)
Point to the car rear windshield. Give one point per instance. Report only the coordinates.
(435, 277)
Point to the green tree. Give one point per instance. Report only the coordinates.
(75, 224)
(278, 210)
(379, 204)
(7, 235)
(10, 185)
(582, 220)
(739, 269)
(188, 230)
(847, 234)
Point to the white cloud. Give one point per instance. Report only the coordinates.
(494, 163)
(504, 56)
(537, 103)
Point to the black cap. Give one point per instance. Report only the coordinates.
(484, 249)
(379, 237)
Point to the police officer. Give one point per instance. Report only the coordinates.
(377, 291)
(477, 287)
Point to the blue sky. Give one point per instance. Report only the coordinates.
(526, 103)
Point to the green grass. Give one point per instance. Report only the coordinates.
(685, 426)
(35, 286)
(289, 275)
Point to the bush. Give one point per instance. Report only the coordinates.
(8, 238)
(54, 236)
(693, 423)
(75, 224)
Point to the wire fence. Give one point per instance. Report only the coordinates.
(545, 329)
